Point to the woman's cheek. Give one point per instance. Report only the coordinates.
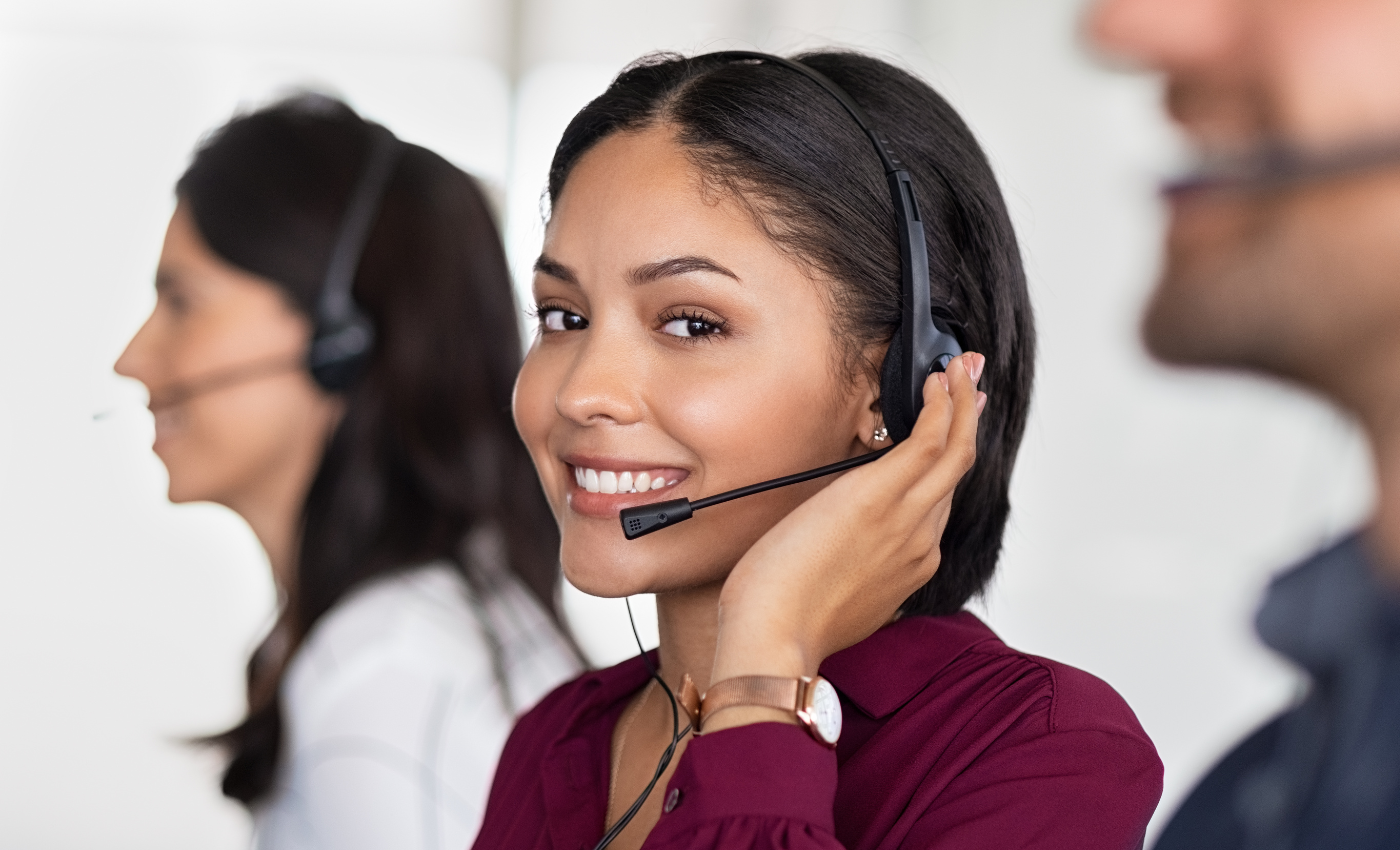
(533, 407)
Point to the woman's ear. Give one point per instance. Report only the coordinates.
(872, 433)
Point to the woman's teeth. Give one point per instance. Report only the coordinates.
(608, 481)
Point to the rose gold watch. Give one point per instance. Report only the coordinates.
(812, 700)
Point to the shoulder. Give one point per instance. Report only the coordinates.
(400, 652)
(1007, 715)
(419, 619)
(1058, 706)
(1057, 722)
(999, 742)
(960, 655)
(1082, 702)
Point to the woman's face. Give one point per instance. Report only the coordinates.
(677, 344)
(260, 433)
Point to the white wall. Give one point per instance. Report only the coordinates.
(1150, 506)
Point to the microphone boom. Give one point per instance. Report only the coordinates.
(644, 519)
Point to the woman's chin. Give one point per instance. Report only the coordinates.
(605, 578)
(611, 574)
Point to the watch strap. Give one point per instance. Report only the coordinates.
(777, 692)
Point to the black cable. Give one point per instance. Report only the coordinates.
(677, 735)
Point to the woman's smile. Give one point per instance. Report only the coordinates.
(603, 487)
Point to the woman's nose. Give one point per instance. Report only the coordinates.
(134, 359)
(605, 383)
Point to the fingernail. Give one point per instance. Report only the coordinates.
(975, 371)
(942, 379)
(981, 402)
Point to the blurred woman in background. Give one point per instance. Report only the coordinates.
(367, 440)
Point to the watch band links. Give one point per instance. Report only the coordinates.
(784, 694)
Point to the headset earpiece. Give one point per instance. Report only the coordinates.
(338, 358)
(891, 388)
(899, 417)
(344, 336)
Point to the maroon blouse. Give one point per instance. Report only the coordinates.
(950, 740)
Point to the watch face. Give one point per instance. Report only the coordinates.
(825, 711)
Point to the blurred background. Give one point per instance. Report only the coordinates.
(1150, 506)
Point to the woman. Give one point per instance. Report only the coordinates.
(411, 546)
(719, 283)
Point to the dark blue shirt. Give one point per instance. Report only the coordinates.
(1325, 774)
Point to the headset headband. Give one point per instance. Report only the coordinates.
(344, 335)
(924, 343)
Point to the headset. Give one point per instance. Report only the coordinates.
(1278, 166)
(343, 337)
(923, 344)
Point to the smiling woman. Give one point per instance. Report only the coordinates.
(719, 282)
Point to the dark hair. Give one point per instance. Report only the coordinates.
(783, 146)
(426, 450)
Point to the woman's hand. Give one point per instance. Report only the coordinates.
(839, 566)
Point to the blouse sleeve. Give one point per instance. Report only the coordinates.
(1072, 790)
(766, 785)
(771, 786)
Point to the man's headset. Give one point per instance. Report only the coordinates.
(1280, 167)
(343, 337)
(922, 345)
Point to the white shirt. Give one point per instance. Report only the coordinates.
(394, 716)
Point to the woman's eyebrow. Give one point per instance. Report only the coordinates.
(555, 269)
(677, 266)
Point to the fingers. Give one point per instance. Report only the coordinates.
(963, 374)
(945, 436)
(950, 405)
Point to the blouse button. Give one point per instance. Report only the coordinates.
(672, 800)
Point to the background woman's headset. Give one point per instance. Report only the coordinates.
(343, 337)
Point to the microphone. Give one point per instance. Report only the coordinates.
(644, 519)
(183, 391)
(1278, 165)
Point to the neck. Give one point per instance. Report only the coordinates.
(273, 510)
(273, 500)
(688, 623)
(1384, 530)
(1379, 414)
(276, 529)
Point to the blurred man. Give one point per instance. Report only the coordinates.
(1284, 258)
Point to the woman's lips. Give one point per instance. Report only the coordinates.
(169, 423)
(597, 490)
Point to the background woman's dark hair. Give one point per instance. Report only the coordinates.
(787, 149)
(427, 450)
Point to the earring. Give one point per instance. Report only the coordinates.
(881, 435)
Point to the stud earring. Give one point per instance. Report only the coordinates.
(881, 435)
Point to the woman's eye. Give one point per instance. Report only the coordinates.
(691, 326)
(559, 319)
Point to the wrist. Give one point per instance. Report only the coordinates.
(755, 653)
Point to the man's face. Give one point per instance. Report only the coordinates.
(1302, 282)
